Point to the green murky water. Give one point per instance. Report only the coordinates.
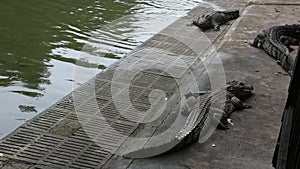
(41, 41)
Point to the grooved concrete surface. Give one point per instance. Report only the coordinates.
(90, 127)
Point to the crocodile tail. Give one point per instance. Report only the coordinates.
(153, 151)
(232, 14)
(278, 52)
(284, 62)
(280, 55)
(188, 134)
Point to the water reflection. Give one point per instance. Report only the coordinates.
(40, 41)
(30, 30)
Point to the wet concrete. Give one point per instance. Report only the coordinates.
(248, 144)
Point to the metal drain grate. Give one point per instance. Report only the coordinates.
(38, 149)
(61, 152)
(45, 121)
(74, 153)
(17, 141)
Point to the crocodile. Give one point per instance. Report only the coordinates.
(209, 110)
(214, 19)
(276, 41)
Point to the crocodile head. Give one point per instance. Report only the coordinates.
(262, 35)
(239, 89)
(204, 21)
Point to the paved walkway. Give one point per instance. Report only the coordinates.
(90, 127)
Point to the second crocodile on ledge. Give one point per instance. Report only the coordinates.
(209, 110)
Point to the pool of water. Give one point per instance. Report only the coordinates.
(42, 40)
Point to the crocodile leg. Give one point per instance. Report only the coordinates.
(238, 104)
(216, 27)
(219, 117)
